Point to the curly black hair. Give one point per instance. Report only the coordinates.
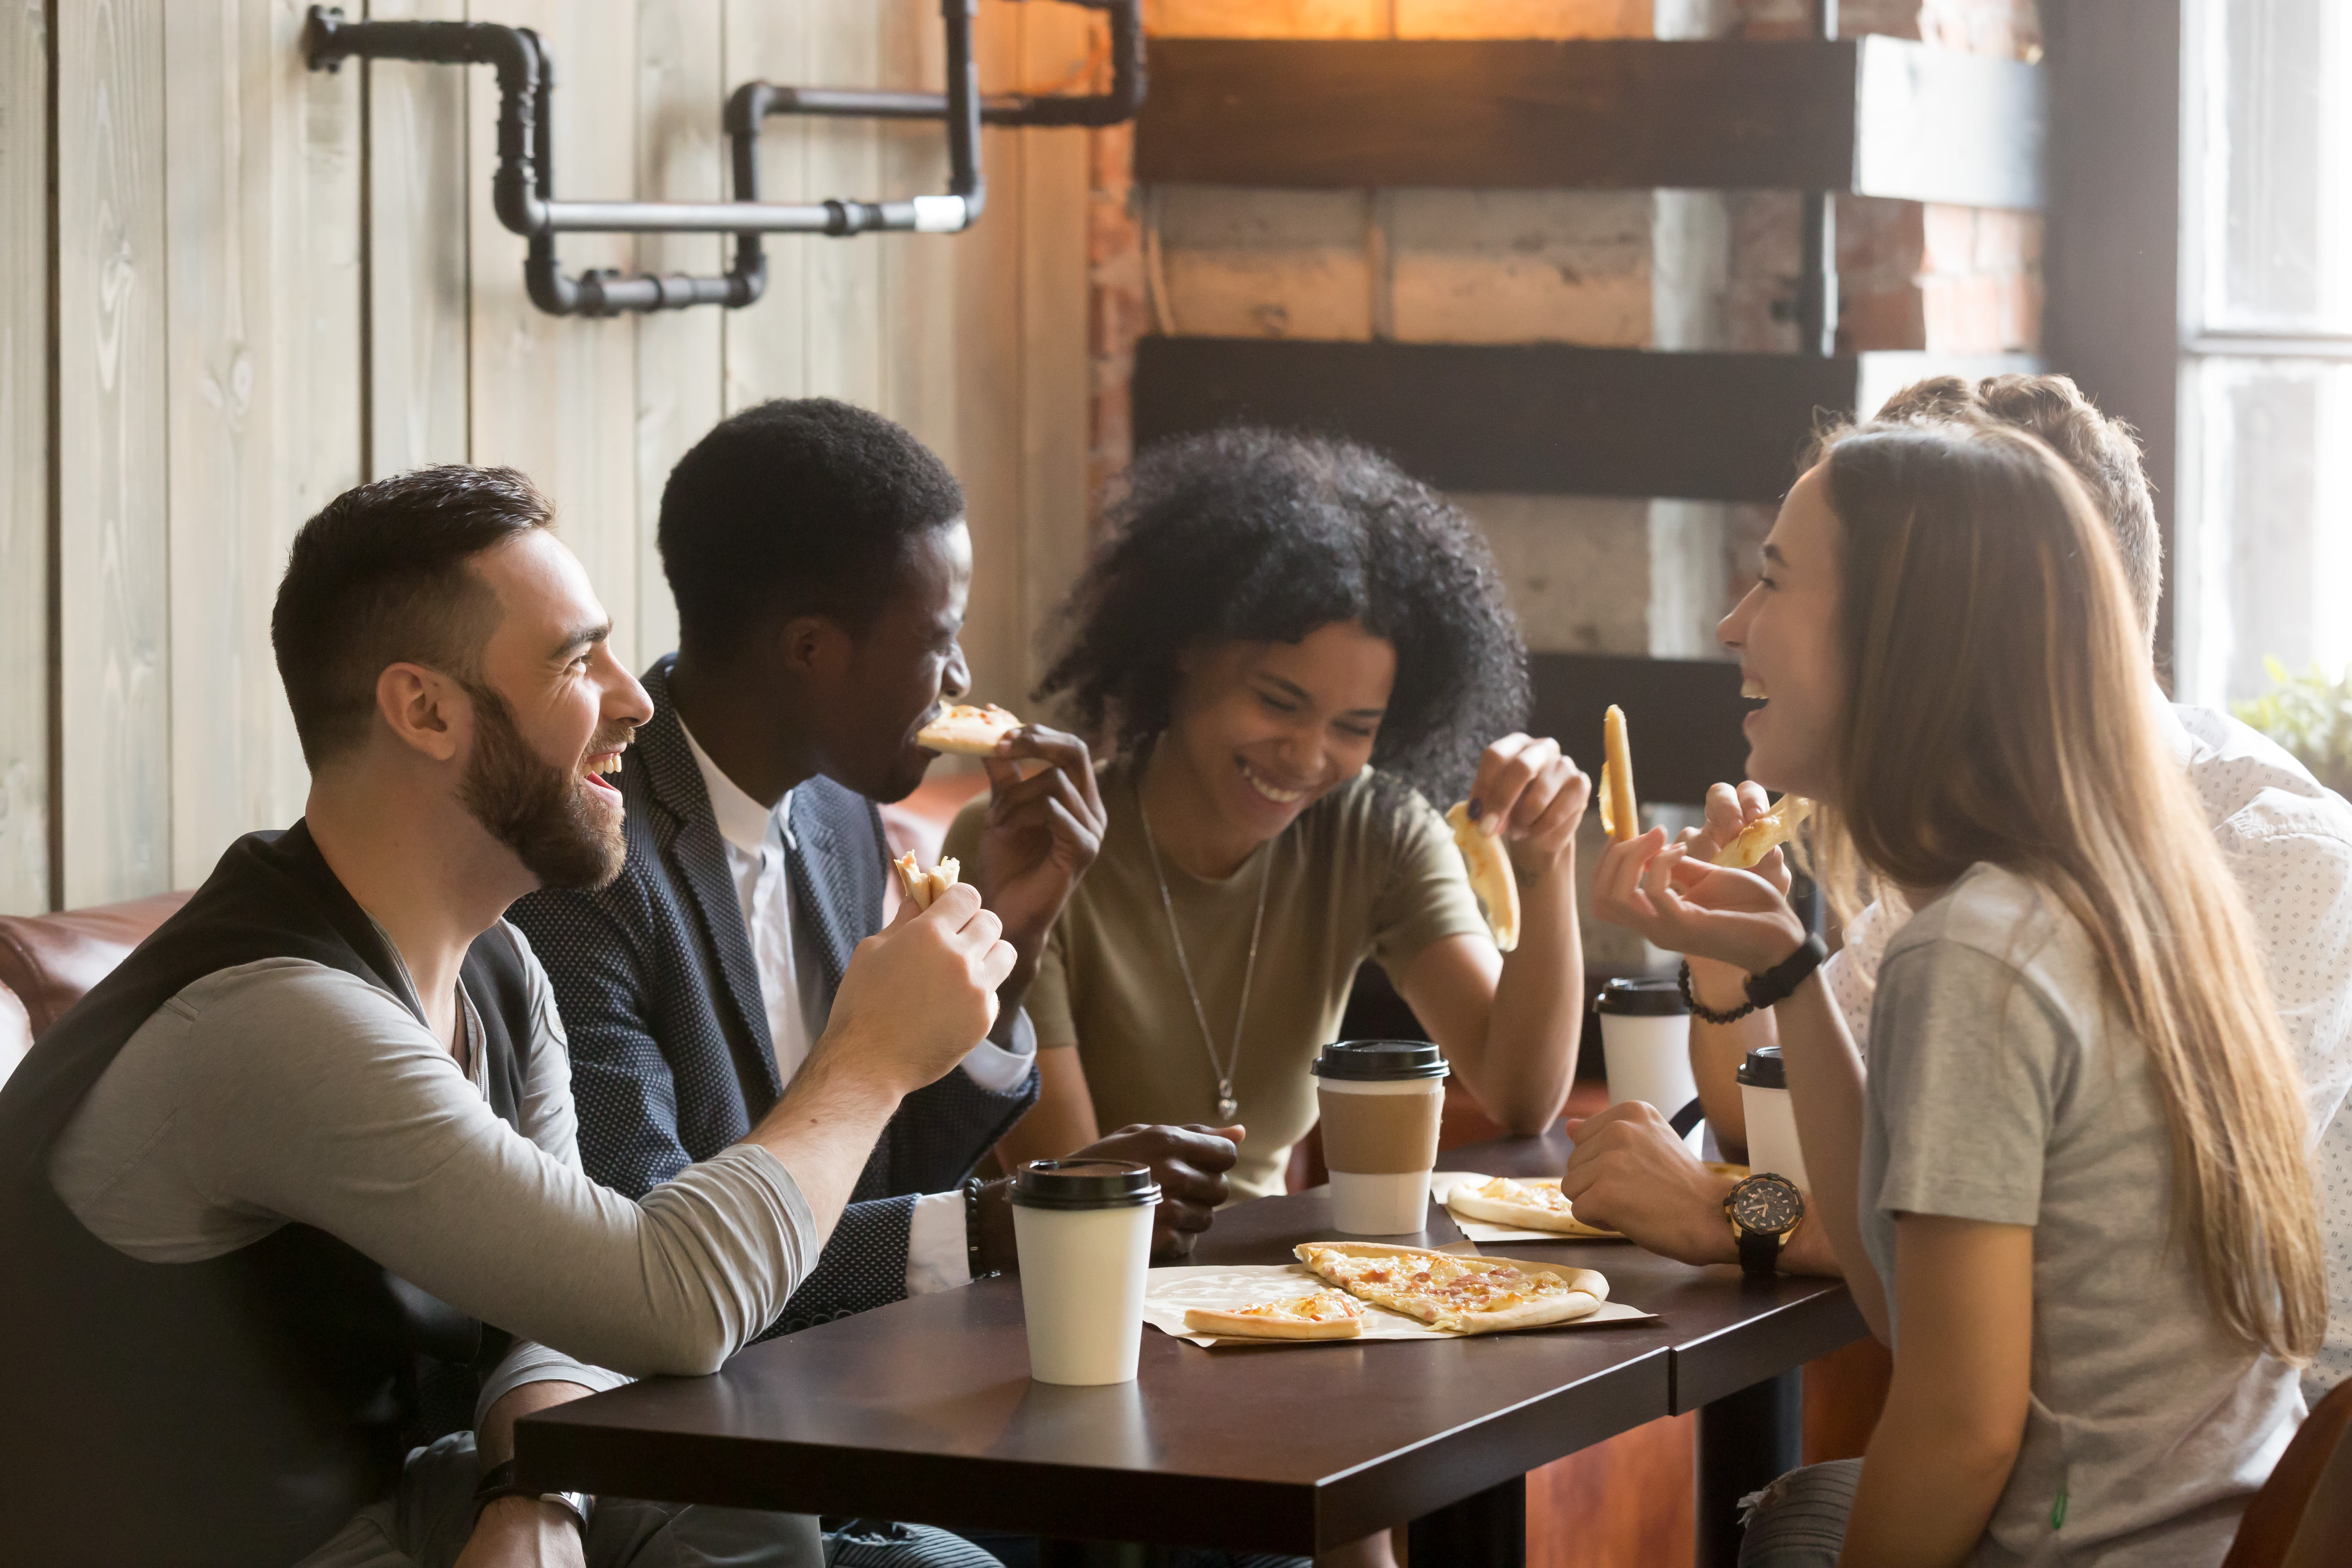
(1265, 535)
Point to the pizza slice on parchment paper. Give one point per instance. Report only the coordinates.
(1527, 1204)
(1325, 1315)
(1461, 1295)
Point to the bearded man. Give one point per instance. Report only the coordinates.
(269, 1185)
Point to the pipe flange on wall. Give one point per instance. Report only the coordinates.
(523, 188)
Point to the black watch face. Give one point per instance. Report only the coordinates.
(1766, 1206)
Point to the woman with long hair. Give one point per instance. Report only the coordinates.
(2074, 1173)
(1294, 651)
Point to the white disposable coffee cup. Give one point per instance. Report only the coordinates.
(1083, 1228)
(1645, 1039)
(1772, 1118)
(1382, 1101)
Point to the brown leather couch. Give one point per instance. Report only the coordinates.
(47, 962)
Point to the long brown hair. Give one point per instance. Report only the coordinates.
(2000, 710)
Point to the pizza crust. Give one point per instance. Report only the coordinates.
(923, 888)
(1586, 1288)
(1621, 814)
(1489, 865)
(1766, 833)
(1506, 1208)
(973, 731)
(1243, 1324)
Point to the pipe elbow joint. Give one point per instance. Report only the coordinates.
(514, 196)
(747, 106)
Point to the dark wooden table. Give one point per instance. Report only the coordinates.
(924, 1411)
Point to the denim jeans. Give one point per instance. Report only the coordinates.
(1799, 1521)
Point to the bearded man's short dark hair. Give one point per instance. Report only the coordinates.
(380, 577)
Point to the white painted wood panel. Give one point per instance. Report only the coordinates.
(25, 669)
(557, 396)
(921, 347)
(24, 457)
(844, 298)
(767, 349)
(987, 370)
(1056, 372)
(419, 189)
(113, 631)
(682, 88)
(264, 394)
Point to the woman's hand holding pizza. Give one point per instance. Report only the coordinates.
(1532, 794)
(1684, 905)
(1729, 809)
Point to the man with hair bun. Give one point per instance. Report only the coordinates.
(2288, 842)
(296, 1220)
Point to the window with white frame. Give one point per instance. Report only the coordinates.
(2263, 564)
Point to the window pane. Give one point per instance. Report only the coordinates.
(2273, 166)
(2265, 564)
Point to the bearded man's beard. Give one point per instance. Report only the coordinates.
(537, 810)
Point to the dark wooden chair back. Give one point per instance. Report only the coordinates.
(2302, 1516)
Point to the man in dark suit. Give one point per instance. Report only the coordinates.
(821, 564)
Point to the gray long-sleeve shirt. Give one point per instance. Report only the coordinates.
(284, 1091)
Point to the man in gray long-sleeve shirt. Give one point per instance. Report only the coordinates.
(321, 1123)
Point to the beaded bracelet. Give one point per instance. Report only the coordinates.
(1699, 1009)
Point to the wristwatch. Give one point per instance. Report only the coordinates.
(498, 1481)
(1764, 1211)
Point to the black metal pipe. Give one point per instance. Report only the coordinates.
(523, 186)
(1112, 107)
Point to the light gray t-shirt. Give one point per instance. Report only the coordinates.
(284, 1091)
(1999, 1091)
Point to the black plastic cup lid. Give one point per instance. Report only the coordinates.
(1380, 1061)
(1764, 1068)
(1642, 999)
(1084, 1184)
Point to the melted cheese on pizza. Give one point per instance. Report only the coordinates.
(1437, 1290)
(1502, 1190)
(1323, 1306)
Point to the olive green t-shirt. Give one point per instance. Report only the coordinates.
(1368, 871)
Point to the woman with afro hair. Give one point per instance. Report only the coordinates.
(1291, 651)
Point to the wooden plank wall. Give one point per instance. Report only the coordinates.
(25, 280)
(270, 284)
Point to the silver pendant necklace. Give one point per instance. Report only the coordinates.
(1227, 1106)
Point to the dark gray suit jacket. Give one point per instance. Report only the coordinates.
(671, 1058)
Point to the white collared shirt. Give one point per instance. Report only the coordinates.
(2289, 844)
(760, 845)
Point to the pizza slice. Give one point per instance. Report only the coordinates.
(1766, 833)
(1459, 1295)
(1531, 1206)
(974, 732)
(1489, 865)
(1325, 1315)
(923, 888)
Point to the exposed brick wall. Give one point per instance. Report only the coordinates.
(1911, 275)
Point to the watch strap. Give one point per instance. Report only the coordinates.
(1759, 1250)
(498, 1481)
(1780, 982)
